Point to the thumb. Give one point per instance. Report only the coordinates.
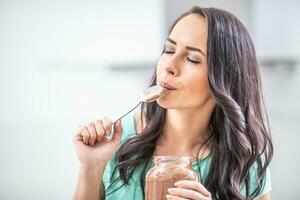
(118, 130)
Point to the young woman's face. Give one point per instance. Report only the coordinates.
(183, 65)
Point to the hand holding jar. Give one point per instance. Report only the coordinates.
(186, 189)
(174, 178)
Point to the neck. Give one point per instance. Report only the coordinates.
(185, 128)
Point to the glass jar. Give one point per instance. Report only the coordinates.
(167, 171)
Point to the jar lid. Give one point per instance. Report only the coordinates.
(172, 159)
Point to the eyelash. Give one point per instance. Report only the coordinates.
(190, 60)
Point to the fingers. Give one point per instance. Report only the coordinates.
(188, 190)
(193, 185)
(185, 193)
(99, 130)
(85, 135)
(118, 130)
(107, 124)
(94, 131)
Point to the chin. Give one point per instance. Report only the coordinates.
(164, 103)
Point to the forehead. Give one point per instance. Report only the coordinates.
(191, 30)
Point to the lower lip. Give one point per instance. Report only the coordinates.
(168, 88)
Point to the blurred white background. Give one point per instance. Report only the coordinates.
(64, 63)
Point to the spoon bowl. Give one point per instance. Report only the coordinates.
(153, 93)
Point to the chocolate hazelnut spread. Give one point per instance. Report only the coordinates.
(167, 171)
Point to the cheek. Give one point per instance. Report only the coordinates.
(198, 87)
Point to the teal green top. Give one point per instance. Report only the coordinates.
(133, 190)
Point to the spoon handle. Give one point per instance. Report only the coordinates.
(109, 137)
(127, 112)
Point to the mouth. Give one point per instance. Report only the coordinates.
(167, 86)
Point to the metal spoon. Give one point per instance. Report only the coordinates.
(148, 95)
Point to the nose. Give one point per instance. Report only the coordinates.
(171, 67)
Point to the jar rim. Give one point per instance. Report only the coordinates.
(172, 158)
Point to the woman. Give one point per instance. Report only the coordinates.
(214, 114)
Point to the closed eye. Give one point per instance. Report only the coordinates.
(192, 61)
(168, 52)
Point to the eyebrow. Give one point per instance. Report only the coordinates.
(188, 47)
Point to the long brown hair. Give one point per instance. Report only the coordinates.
(241, 134)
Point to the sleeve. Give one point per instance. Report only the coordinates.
(266, 184)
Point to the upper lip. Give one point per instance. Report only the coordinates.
(167, 86)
